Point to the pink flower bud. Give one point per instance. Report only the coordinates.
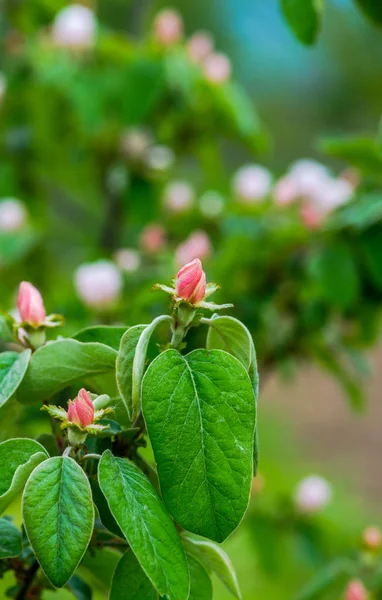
(153, 238)
(81, 409)
(197, 245)
(199, 46)
(168, 27)
(30, 304)
(372, 538)
(356, 591)
(286, 191)
(191, 282)
(217, 68)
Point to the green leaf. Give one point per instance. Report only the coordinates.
(58, 516)
(130, 581)
(103, 334)
(105, 515)
(360, 152)
(372, 9)
(216, 560)
(50, 444)
(140, 360)
(18, 458)
(146, 525)
(12, 371)
(229, 334)
(10, 540)
(201, 586)
(79, 588)
(200, 413)
(304, 18)
(124, 365)
(60, 363)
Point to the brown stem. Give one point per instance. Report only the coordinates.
(29, 577)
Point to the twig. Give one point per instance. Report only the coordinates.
(22, 594)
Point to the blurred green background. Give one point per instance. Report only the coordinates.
(308, 296)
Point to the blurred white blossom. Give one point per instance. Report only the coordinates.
(286, 191)
(312, 494)
(159, 158)
(135, 142)
(197, 245)
(13, 215)
(75, 26)
(211, 204)
(178, 196)
(252, 183)
(98, 284)
(199, 46)
(168, 27)
(217, 68)
(128, 259)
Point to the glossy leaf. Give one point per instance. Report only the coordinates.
(200, 413)
(146, 525)
(18, 458)
(304, 18)
(10, 540)
(124, 365)
(58, 364)
(216, 560)
(58, 516)
(103, 334)
(12, 370)
(130, 582)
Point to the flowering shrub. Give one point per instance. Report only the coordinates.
(197, 410)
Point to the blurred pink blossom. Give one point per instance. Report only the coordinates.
(178, 196)
(127, 259)
(75, 26)
(286, 191)
(168, 27)
(197, 245)
(311, 217)
(98, 284)
(372, 538)
(153, 238)
(199, 46)
(356, 591)
(312, 494)
(252, 183)
(217, 68)
(13, 215)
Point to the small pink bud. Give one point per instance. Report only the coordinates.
(81, 409)
(30, 304)
(356, 591)
(372, 538)
(199, 46)
(217, 68)
(191, 282)
(168, 27)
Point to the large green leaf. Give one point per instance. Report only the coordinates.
(146, 525)
(372, 9)
(12, 371)
(10, 540)
(18, 458)
(103, 334)
(124, 365)
(58, 364)
(58, 516)
(140, 361)
(201, 586)
(130, 581)
(105, 515)
(304, 18)
(216, 560)
(200, 413)
(229, 334)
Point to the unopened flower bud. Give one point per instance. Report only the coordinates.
(312, 494)
(191, 282)
(252, 183)
(153, 238)
(30, 304)
(13, 215)
(356, 591)
(81, 409)
(199, 46)
(168, 27)
(217, 68)
(372, 538)
(98, 284)
(75, 27)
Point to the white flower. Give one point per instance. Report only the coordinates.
(98, 284)
(199, 46)
(159, 158)
(252, 183)
(211, 204)
(313, 493)
(217, 67)
(3, 86)
(135, 142)
(13, 215)
(168, 27)
(75, 26)
(128, 259)
(286, 191)
(178, 196)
